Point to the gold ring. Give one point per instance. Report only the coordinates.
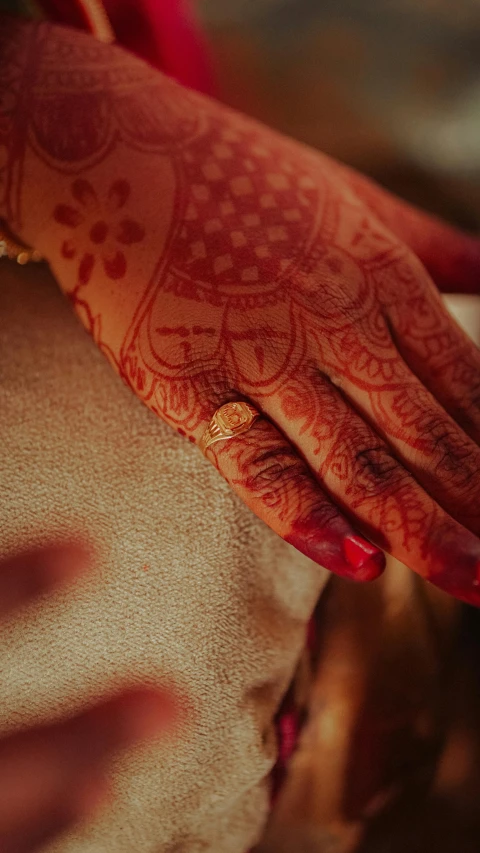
(229, 420)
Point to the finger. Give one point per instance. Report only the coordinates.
(269, 476)
(423, 436)
(361, 474)
(52, 764)
(28, 574)
(451, 257)
(438, 351)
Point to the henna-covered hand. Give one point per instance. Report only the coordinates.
(213, 259)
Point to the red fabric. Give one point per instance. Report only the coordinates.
(289, 723)
(164, 32)
(65, 12)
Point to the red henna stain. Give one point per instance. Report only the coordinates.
(118, 194)
(115, 266)
(86, 267)
(98, 232)
(187, 351)
(68, 216)
(84, 193)
(200, 330)
(129, 231)
(182, 331)
(68, 249)
(192, 439)
(260, 356)
(181, 431)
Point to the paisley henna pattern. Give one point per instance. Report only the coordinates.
(246, 265)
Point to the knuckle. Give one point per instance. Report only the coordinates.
(375, 468)
(213, 391)
(270, 469)
(452, 457)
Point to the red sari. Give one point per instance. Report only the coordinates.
(165, 33)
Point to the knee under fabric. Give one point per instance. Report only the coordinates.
(190, 588)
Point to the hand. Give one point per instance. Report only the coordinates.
(54, 775)
(214, 260)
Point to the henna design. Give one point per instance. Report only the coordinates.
(98, 99)
(451, 257)
(267, 275)
(101, 230)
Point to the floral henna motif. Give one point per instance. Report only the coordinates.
(274, 282)
(98, 229)
(99, 99)
(75, 103)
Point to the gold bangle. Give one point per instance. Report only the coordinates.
(14, 250)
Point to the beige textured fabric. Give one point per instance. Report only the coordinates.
(190, 586)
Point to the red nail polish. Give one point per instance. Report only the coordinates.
(332, 546)
(454, 556)
(368, 560)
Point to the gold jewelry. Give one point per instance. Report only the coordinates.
(98, 20)
(11, 248)
(229, 420)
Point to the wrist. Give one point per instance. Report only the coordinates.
(16, 38)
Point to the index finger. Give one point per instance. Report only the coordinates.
(28, 574)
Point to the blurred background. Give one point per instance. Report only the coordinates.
(391, 87)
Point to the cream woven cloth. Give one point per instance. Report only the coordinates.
(189, 586)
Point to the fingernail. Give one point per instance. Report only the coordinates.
(454, 555)
(367, 560)
(459, 578)
(333, 546)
